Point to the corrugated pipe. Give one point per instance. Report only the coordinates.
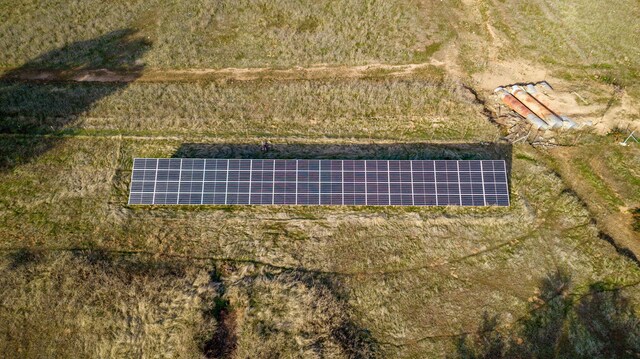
(521, 109)
(566, 121)
(545, 85)
(536, 107)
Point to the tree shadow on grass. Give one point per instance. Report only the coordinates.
(36, 114)
(598, 324)
(397, 151)
(356, 341)
(327, 317)
(223, 341)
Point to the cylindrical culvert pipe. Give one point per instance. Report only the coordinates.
(544, 85)
(566, 121)
(536, 107)
(520, 109)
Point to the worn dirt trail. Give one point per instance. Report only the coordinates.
(239, 74)
(615, 224)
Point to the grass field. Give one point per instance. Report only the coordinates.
(586, 39)
(56, 303)
(593, 34)
(83, 274)
(225, 33)
(609, 178)
(367, 108)
(399, 282)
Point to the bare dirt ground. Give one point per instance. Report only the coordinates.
(232, 74)
(605, 107)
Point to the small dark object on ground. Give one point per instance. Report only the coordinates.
(266, 146)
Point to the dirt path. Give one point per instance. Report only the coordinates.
(614, 224)
(239, 74)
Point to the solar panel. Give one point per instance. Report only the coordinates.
(196, 181)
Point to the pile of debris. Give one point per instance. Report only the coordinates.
(524, 99)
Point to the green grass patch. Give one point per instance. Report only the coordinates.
(597, 183)
(429, 50)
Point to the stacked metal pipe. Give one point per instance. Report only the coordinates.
(521, 109)
(523, 101)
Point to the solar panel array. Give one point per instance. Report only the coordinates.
(193, 181)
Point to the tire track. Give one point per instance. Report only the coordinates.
(233, 74)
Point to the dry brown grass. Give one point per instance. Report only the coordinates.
(224, 33)
(400, 280)
(429, 109)
(93, 304)
(83, 274)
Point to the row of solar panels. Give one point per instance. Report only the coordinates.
(292, 187)
(319, 182)
(317, 165)
(315, 176)
(315, 199)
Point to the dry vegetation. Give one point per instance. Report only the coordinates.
(596, 35)
(96, 305)
(607, 175)
(366, 108)
(323, 281)
(589, 40)
(223, 33)
(83, 274)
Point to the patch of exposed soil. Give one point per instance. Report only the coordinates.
(567, 98)
(238, 74)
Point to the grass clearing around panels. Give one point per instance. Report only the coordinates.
(396, 274)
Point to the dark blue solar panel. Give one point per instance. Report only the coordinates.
(312, 182)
